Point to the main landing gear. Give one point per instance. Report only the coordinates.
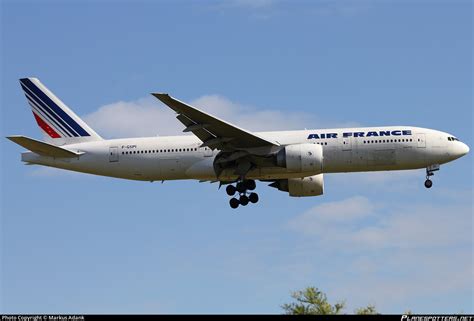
(242, 189)
(430, 172)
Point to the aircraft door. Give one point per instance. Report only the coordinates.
(421, 140)
(113, 154)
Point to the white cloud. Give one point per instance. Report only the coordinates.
(325, 217)
(142, 117)
(407, 251)
(149, 117)
(344, 222)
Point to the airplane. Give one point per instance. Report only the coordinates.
(218, 151)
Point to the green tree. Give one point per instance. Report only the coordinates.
(370, 309)
(313, 301)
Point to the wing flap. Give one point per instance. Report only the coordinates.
(43, 148)
(195, 128)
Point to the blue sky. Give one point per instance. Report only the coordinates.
(84, 244)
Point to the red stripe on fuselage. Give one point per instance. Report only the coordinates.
(51, 132)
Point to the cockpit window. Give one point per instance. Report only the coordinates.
(451, 139)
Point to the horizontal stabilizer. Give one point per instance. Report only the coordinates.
(42, 148)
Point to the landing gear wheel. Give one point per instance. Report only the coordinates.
(244, 200)
(230, 190)
(253, 198)
(234, 203)
(428, 183)
(241, 187)
(250, 184)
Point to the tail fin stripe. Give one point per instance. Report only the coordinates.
(32, 99)
(39, 111)
(46, 127)
(40, 94)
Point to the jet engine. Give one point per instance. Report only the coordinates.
(301, 158)
(306, 186)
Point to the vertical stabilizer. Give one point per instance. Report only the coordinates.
(59, 124)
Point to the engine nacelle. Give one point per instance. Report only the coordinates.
(306, 186)
(301, 158)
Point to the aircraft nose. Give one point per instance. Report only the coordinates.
(463, 149)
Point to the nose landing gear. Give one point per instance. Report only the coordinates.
(242, 188)
(430, 172)
(428, 182)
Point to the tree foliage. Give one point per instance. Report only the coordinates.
(313, 301)
(370, 309)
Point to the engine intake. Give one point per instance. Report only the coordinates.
(301, 158)
(297, 187)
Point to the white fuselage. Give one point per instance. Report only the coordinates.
(181, 157)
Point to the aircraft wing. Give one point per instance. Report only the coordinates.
(212, 131)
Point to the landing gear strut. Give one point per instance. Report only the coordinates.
(242, 189)
(430, 172)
